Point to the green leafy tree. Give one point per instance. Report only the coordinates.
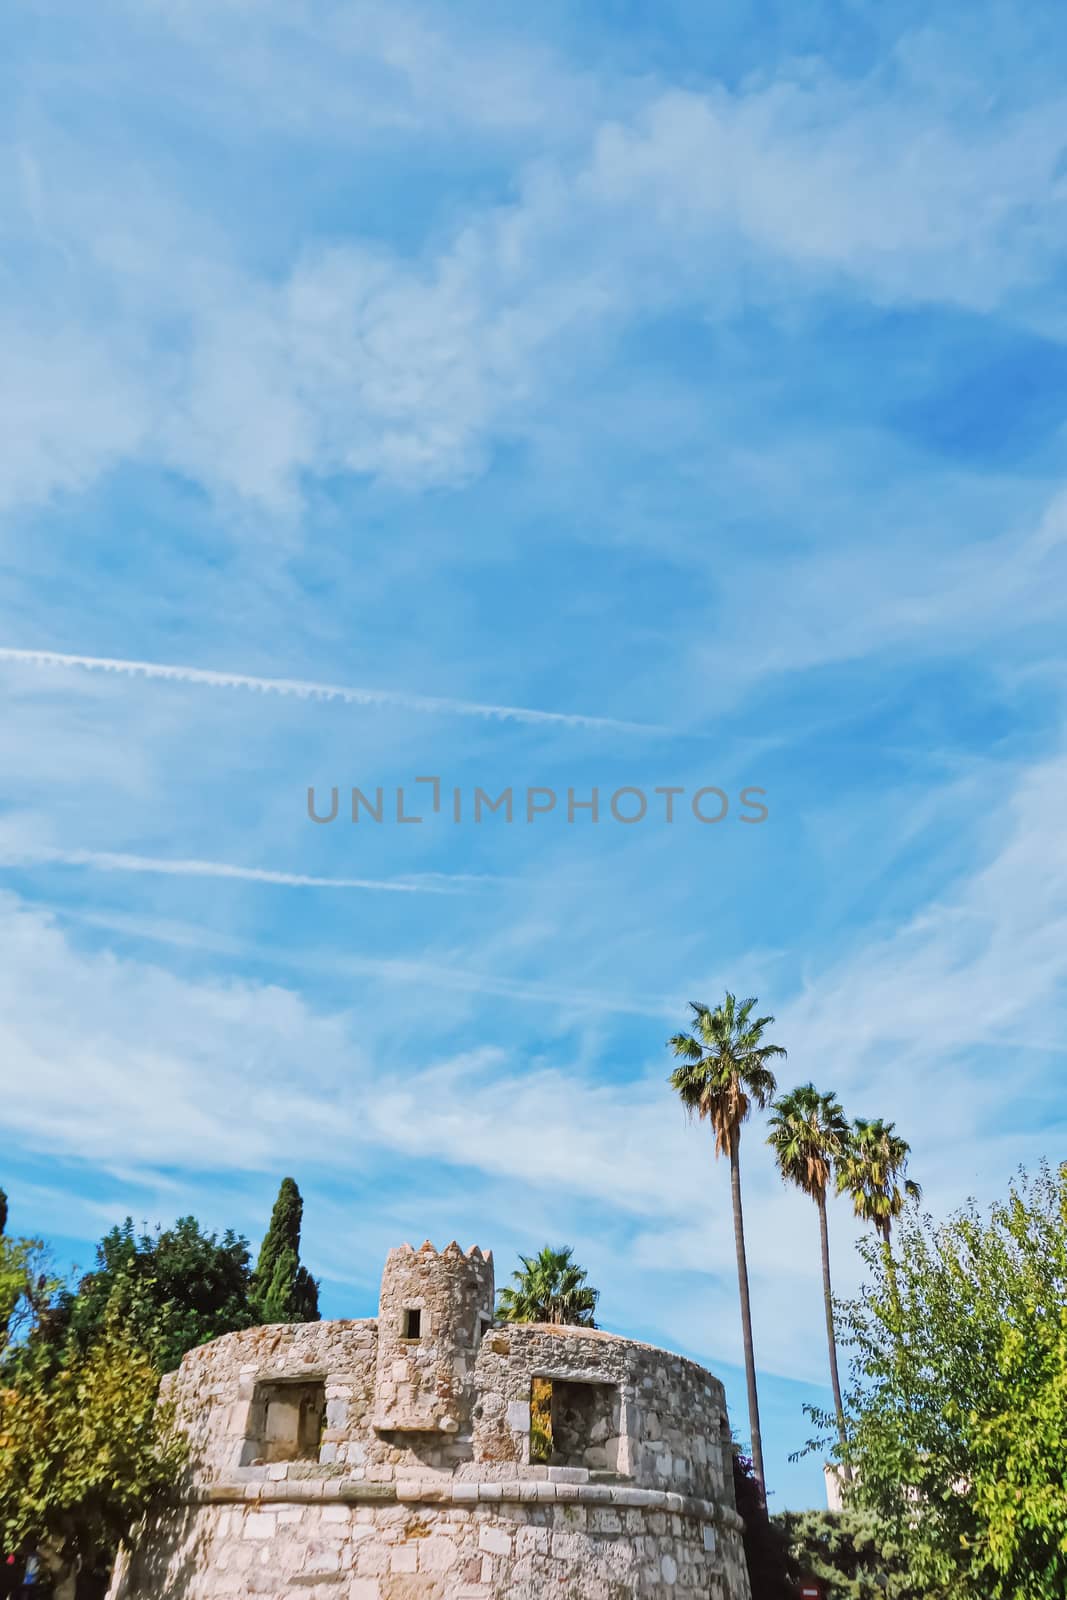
(724, 1071)
(84, 1450)
(959, 1394)
(28, 1291)
(283, 1290)
(809, 1135)
(848, 1552)
(549, 1287)
(173, 1289)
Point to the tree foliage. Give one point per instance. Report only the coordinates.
(957, 1410)
(549, 1287)
(84, 1450)
(724, 1067)
(172, 1289)
(809, 1135)
(283, 1290)
(848, 1552)
(28, 1292)
(872, 1170)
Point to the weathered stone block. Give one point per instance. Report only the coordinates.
(518, 1415)
(437, 1554)
(496, 1540)
(259, 1525)
(364, 1589)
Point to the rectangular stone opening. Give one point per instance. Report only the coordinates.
(575, 1424)
(412, 1323)
(285, 1421)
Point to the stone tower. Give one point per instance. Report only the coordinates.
(432, 1313)
(407, 1457)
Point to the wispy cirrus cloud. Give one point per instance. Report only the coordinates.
(848, 603)
(400, 973)
(361, 67)
(411, 365)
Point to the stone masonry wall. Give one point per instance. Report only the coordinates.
(670, 1414)
(392, 1550)
(214, 1388)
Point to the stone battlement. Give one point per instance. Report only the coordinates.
(431, 1453)
(451, 1252)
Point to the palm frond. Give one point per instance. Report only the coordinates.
(872, 1169)
(549, 1287)
(726, 1066)
(808, 1135)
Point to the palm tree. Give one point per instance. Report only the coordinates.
(724, 1072)
(809, 1136)
(873, 1160)
(550, 1287)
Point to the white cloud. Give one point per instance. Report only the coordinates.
(322, 70)
(917, 595)
(351, 357)
(175, 1042)
(889, 189)
(409, 370)
(985, 966)
(71, 406)
(399, 973)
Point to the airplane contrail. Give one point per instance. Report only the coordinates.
(113, 861)
(302, 689)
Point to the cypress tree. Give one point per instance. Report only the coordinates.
(284, 1290)
(3, 1210)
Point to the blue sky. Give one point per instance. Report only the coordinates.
(630, 395)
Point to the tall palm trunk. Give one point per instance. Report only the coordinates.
(746, 1316)
(831, 1337)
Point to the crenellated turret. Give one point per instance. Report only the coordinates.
(433, 1311)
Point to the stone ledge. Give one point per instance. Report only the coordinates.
(431, 1491)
